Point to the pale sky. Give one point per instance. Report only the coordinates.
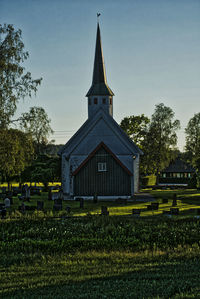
(151, 50)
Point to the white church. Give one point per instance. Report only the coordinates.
(100, 159)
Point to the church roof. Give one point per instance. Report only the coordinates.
(99, 81)
(88, 126)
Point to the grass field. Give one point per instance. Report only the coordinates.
(101, 257)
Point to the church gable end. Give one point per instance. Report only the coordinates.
(102, 174)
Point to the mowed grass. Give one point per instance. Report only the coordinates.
(85, 255)
(94, 274)
(100, 257)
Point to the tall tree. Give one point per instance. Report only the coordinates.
(161, 139)
(44, 169)
(37, 123)
(193, 141)
(135, 127)
(15, 83)
(16, 152)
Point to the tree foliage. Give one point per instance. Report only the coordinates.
(135, 127)
(161, 139)
(193, 140)
(16, 152)
(43, 169)
(15, 83)
(37, 123)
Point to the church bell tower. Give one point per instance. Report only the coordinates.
(99, 94)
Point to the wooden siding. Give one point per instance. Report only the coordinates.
(114, 181)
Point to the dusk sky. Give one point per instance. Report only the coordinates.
(151, 50)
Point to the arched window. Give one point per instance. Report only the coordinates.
(104, 101)
(110, 101)
(95, 101)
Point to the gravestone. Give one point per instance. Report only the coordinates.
(121, 200)
(68, 209)
(57, 205)
(81, 203)
(155, 205)
(3, 189)
(40, 205)
(95, 198)
(166, 212)
(165, 200)
(174, 211)
(16, 191)
(174, 202)
(136, 212)
(104, 211)
(3, 213)
(149, 207)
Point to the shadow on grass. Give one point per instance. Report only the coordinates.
(164, 279)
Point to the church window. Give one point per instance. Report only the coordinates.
(95, 100)
(104, 101)
(110, 101)
(102, 166)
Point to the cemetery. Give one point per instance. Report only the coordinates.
(95, 246)
(161, 202)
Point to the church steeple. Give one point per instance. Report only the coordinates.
(99, 93)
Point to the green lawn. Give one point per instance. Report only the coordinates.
(102, 257)
(187, 202)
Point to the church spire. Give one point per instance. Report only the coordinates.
(99, 83)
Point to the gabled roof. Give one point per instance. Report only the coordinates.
(99, 81)
(90, 123)
(179, 166)
(101, 145)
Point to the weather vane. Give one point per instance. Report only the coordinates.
(98, 15)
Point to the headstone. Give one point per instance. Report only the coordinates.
(174, 211)
(3, 189)
(7, 202)
(121, 200)
(104, 211)
(81, 203)
(2, 206)
(155, 205)
(95, 198)
(149, 207)
(50, 194)
(22, 208)
(136, 212)
(174, 202)
(166, 212)
(16, 191)
(40, 205)
(165, 200)
(57, 205)
(68, 209)
(3, 213)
